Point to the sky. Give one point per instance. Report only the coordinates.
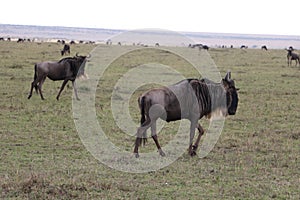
(276, 17)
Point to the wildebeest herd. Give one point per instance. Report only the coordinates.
(190, 99)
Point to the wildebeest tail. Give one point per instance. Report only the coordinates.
(35, 77)
(142, 108)
(142, 105)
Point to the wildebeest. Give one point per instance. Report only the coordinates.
(20, 40)
(188, 99)
(244, 47)
(292, 56)
(67, 69)
(264, 47)
(205, 47)
(66, 50)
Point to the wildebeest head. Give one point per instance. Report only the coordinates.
(81, 60)
(231, 94)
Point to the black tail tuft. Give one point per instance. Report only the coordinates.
(142, 107)
(143, 118)
(35, 77)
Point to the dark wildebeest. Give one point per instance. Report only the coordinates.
(67, 69)
(66, 50)
(244, 47)
(20, 40)
(188, 99)
(292, 56)
(195, 45)
(264, 47)
(205, 47)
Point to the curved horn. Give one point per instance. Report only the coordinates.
(228, 76)
(77, 54)
(88, 56)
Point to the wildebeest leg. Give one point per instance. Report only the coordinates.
(40, 87)
(192, 134)
(75, 89)
(154, 137)
(195, 146)
(34, 85)
(62, 88)
(141, 135)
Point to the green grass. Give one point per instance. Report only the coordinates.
(256, 157)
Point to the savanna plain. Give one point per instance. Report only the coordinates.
(256, 157)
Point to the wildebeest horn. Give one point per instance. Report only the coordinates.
(77, 54)
(88, 56)
(228, 76)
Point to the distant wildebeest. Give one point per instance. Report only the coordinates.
(195, 45)
(188, 99)
(1, 39)
(264, 47)
(20, 40)
(244, 47)
(157, 44)
(67, 69)
(205, 47)
(66, 50)
(109, 42)
(292, 56)
(72, 42)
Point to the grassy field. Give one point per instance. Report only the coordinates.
(256, 157)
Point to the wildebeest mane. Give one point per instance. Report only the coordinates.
(210, 95)
(73, 64)
(202, 94)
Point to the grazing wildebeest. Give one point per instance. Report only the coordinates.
(244, 47)
(264, 47)
(195, 45)
(67, 69)
(188, 99)
(292, 56)
(20, 40)
(205, 47)
(66, 50)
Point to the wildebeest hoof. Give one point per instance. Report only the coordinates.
(161, 153)
(137, 155)
(194, 148)
(193, 153)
